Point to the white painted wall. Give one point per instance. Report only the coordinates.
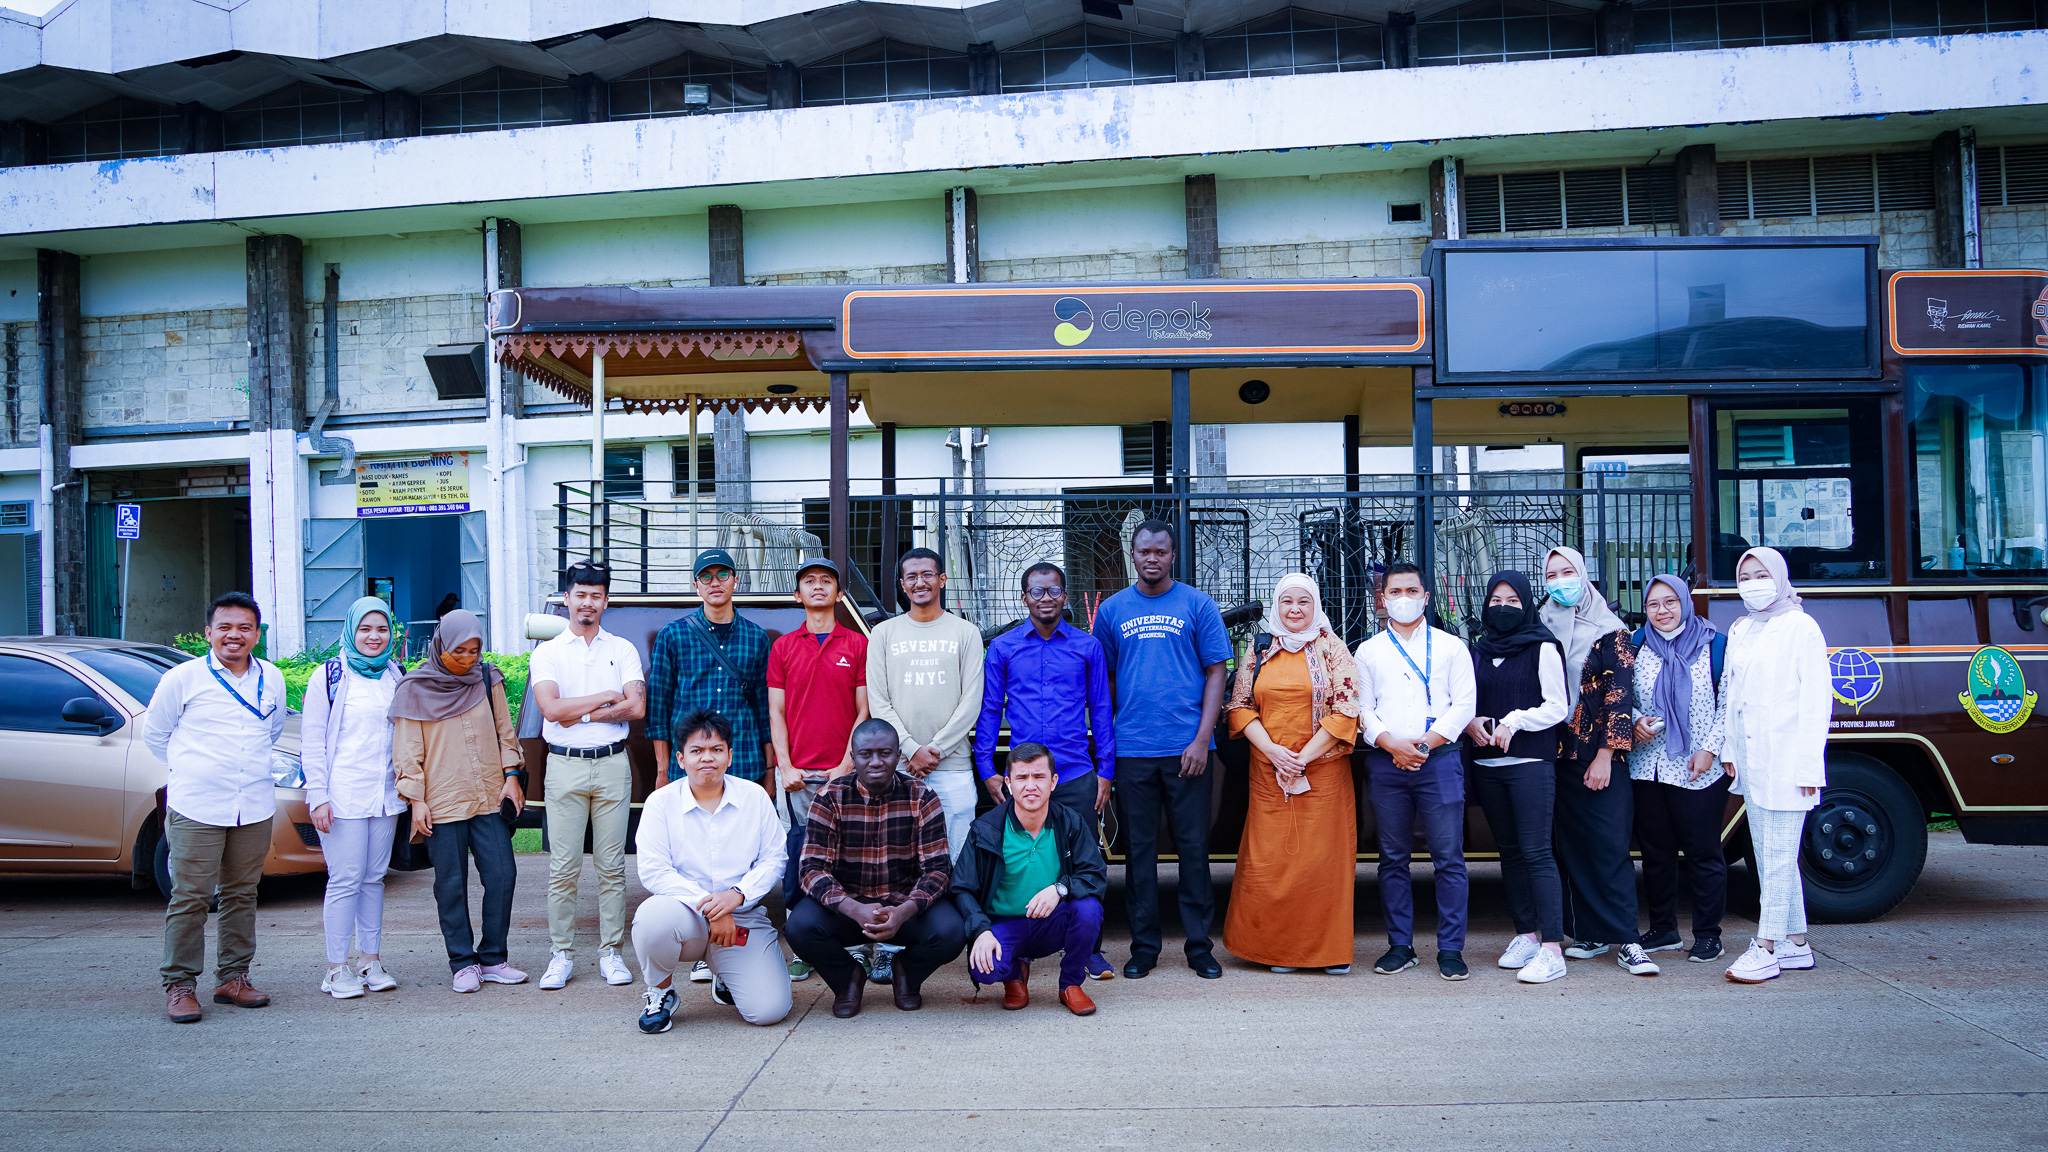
(1309, 209)
(17, 290)
(1082, 221)
(1285, 449)
(384, 267)
(1018, 456)
(654, 249)
(872, 235)
(178, 280)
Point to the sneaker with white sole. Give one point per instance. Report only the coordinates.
(883, 970)
(1520, 951)
(1794, 956)
(612, 967)
(469, 979)
(721, 993)
(1666, 941)
(1705, 950)
(503, 974)
(1282, 968)
(1584, 950)
(700, 973)
(799, 970)
(1756, 965)
(560, 968)
(342, 983)
(1636, 962)
(1337, 970)
(375, 978)
(657, 1010)
(1542, 968)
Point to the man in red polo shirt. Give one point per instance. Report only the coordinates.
(817, 691)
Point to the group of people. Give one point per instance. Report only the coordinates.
(818, 790)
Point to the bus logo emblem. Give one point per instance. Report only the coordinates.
(1996, 696)
(1856, 676)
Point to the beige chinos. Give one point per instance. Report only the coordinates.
(669, 934)
(598, 793)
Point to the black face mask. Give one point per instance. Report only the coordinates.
(1502, 619)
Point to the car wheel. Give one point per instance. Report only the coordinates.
(1864, 844)
(162, 866)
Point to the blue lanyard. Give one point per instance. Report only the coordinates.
(257, 710)
(1428, 643)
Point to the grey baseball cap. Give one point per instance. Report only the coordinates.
(819, 562)
(713, 558)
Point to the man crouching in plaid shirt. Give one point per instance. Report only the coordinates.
(874, 867)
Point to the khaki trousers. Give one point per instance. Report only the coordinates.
(205, 857)
(669, 934)
(597, 794)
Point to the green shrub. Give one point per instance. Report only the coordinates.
(299, 672)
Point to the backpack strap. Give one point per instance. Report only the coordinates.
(1717, 655)
(333, 668)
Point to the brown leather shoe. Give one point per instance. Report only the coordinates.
(181, 1004)
(240, 993)
(1017, 992)
(847, 1004)
(908, 999)
(1077, 1001)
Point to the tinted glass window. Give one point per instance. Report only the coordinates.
(1695, 313)
(35, 696)
(1980, 464)
(135, 670)
(1808, 481)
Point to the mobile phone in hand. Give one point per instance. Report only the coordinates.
(739, 939)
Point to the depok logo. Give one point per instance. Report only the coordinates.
(1075, 321)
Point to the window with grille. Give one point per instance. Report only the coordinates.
(885, 70)
(1884, 19)
(497, 99)
(707, 467)
(1699, 25)
(1492, 31)
(1138, 454)
(689, 83)
(1291, 42)
(2012, 175)
(297, 114)
(1826, 185)
(1574, 198)
(120, 129)
(14, 514)
(1086, 56)
(624, 474)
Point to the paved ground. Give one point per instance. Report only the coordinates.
(1927, 1029)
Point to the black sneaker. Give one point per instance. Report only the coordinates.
(720, 992)
(1399, 958)
(1665, 941)
(660, 1011)
(1584, 949)
(882, 964)
(1705, 950)
(1451, 965)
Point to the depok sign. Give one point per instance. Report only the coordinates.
(413, 485)
(1967, 312)
(1184, 323)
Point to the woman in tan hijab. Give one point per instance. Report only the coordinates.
(1296, 701)
(457, 756)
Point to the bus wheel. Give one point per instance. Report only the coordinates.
(1865, 842)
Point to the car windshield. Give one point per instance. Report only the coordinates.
(135, 670)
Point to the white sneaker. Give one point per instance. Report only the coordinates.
(612, 967)
(1282, 969)
(560, 968)
(1542, 968)
(1635, 961)
(1520, 951)
(700, 973)
(342, 983)
(1756, 966)
(375, 978)
(1791, 956)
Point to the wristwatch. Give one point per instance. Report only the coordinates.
(511, 772)
(1061, 889)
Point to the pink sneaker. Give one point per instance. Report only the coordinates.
(469, 979)
(503, 974)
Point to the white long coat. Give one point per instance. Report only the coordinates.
(1780, 698)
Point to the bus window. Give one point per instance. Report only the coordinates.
(1980, 460)
(1807, 481)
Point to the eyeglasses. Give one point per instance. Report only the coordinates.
(714, 576)
(1043, 594)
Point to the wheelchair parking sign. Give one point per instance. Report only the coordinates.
(127, 521)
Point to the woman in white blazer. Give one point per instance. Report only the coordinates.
(1779, 700)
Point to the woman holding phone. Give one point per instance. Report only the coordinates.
(352, 794)
(1511, 757)
(458, 762)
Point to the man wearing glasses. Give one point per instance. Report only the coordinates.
(1052, 681)
(717, 660)
(924, 678)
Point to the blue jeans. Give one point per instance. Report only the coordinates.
(1435, 795)
(489, 839)
(1071, 930)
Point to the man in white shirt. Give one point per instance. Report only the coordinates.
(589, 687)
(213, 720)
(710, 848)
(1415, 684)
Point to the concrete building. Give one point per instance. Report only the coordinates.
(246, 245)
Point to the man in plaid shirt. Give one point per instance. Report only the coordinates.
(874, 867)
(693, 668)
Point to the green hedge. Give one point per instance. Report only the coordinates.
(299, 670)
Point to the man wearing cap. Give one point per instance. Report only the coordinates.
(588, 686)
(713, 659)
(817, 691)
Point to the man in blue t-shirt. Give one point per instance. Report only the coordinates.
(1166, 647)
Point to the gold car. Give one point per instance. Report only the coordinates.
(80, 793)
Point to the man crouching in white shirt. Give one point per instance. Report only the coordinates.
(710, 848)
(213, 721)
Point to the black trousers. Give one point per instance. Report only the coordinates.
(489, 839)
(931, 939)
(1078, 796)
(1671, 820)
(1145, 784)
(1592, 834)
(1519, 801)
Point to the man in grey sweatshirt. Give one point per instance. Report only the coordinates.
(924, 678)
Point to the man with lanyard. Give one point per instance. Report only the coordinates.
(1417, 693)
(1051, 681)
(589, 688)
(213, 721)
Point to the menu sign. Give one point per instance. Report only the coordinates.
(413, 485)
(1968, 312)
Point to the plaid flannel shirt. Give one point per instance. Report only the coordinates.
(685, 676)
(889, 847)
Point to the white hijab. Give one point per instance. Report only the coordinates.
(1289, 639)
(1781, 576)
(1578, 627)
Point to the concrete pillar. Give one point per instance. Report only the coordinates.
(505, 519)
(60, 340)
(1958, 235)
(963, 249)
(1190, 58)
(592, 98)
(1447, 198)
(277, 410)
(1614, 29)
(785, 85)
(1397, 40)
(728, 246)
(1699, 191)
(201, 129)
(391, 115)
(1205, 261)
(984, 70)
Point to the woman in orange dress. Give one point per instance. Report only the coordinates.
(1296, 701)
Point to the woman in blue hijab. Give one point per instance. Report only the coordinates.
(352, 792)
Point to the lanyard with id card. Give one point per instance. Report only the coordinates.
(257, 709)
(1428, 647)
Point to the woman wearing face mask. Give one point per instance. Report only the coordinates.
(1594, 816)
(1295, 700)
(353, 794)
(1680, 792)
(1779, 700)
(458, 764)
(1511, 747)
